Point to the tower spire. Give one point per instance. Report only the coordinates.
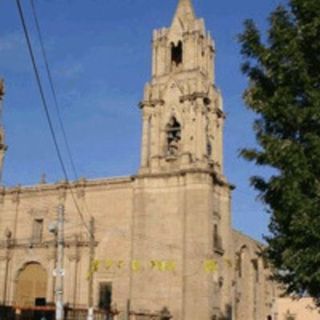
(181, 107)
(185, 11)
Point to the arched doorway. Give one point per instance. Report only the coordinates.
(31, 284)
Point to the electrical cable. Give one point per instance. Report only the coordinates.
(46, 109)
(38, 79)
(52, 88)
(54, 94)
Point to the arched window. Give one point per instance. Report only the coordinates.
(255, 264)
(217, 241)
(239, 264)
(209, 148)
(176, 54)
(173, 137)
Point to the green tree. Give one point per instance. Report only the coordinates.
(283, 68)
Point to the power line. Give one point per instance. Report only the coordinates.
(38, 79)
(46, 109)
(52, 88)
(53, 91)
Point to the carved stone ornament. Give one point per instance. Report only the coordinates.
(16, 194)
(62, 190)
(81, 188)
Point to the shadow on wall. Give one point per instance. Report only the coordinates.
(227, 315)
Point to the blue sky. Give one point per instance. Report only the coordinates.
(100, 56)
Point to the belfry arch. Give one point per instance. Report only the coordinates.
(31, 284)
(176, 54)
(173, 132)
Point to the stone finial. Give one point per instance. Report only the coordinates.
(1, 89)
(8, 233)
(43, 179)
(185, 11)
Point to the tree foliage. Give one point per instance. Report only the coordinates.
(284, 91)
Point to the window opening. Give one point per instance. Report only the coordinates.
(217, 243)
(176, 54)
(208, 136)
(37, 230)
(239, 264)
(149, 140)
(173, 137)
(105, 296)
(256, 269)
(209, 149)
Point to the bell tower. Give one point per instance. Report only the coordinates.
(3, 147)
(181, 206)
(182, 108)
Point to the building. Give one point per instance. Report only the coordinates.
(290, 309)
(163, 237)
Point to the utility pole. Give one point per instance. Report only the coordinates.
(91, 271)
(59, 269)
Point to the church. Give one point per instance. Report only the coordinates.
(163, 237)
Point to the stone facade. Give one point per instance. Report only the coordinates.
(291, 309)
(163, 236)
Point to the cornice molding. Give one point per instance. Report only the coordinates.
(63, 186)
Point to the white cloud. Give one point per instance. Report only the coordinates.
(70, 70)
(14, 54)
(11, 42)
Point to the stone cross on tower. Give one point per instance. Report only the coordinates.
(3, 147)
(182, 108)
